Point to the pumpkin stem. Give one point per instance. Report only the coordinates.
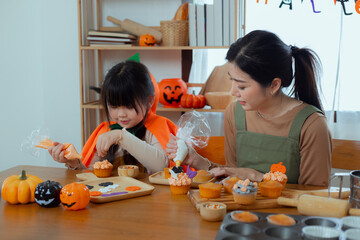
(194, 92)
(23, 175)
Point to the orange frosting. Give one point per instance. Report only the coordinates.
(102, 165)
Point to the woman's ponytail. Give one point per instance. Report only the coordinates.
(307, 73)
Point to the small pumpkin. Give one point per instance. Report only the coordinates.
(47, 194)
(75, 196)
(193, 101)
(278, 168)
(20, 189)
(147, 40)
(171, 91)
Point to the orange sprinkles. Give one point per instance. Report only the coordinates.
(132, 188)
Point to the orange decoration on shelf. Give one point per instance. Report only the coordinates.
(147, 40)
(278, 168)
(193, 101)
(132, 188)
(70, 151)
(171, 91)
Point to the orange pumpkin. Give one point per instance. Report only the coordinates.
(171, 91)
(147, 40)
(278, 168)
(193, 101)
(20, 189)
(75, 196)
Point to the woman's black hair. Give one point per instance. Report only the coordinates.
(127, 84)
(264, 56)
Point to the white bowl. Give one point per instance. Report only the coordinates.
(321, 233)
(212, 214)
(350, 222)
(352, 234)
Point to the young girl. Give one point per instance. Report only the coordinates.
(136, 135)
(266, 126)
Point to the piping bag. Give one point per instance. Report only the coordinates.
(70, 151)
(194, 130)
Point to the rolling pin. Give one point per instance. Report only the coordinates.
(354, 211)
(317, 206)
(136, 28)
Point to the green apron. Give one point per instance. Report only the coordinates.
(259, 151)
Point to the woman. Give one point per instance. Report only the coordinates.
(265, 125)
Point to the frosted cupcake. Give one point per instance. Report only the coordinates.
(180, 185)
(103, 169)
(276, 176)
(244, 192)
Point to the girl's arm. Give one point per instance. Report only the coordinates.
(149, 152)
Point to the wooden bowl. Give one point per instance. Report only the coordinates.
(128, 171)
(218, 100)
(213, 214)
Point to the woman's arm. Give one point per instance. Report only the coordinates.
(315, 151)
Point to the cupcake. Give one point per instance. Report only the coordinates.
(202, 176)
(281, 219)
(276, 176)
(180, 185)
(103, 169)
(229, 183)
(270, 189)
(244, 192)
(244, 216)
(210, 190)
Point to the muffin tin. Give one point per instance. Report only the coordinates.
(235, 230)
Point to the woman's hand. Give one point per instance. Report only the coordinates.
(242, 173)
(57, 152)
(106, 140)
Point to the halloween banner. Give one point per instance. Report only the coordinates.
(347, 5)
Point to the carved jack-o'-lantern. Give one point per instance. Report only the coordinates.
(47, 194)
(147, 40)
(171, 91)
(75, 196)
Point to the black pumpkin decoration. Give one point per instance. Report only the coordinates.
(47, 194)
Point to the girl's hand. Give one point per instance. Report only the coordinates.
(57, 152)
(171, 147)
(106, 140)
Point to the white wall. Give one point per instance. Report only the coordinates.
(39, 77)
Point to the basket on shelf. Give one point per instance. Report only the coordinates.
(175, 33)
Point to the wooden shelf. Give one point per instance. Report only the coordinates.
(120, 47)
(97, 105)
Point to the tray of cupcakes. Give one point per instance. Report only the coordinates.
(258, 225)
(243, 194)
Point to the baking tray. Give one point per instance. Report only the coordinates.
(159, 178)
(235, 230)
(119, 192)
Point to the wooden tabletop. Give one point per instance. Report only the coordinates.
(160, 215)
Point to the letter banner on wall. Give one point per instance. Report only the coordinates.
(346, 5)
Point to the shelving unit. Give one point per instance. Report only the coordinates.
(92, 58)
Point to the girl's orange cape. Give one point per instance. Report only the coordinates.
(159, 126)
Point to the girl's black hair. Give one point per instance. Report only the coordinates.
(264, 56)
(127, 84)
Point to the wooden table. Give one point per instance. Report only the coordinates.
(160, 215)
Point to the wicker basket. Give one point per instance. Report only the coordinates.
(175, 33)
